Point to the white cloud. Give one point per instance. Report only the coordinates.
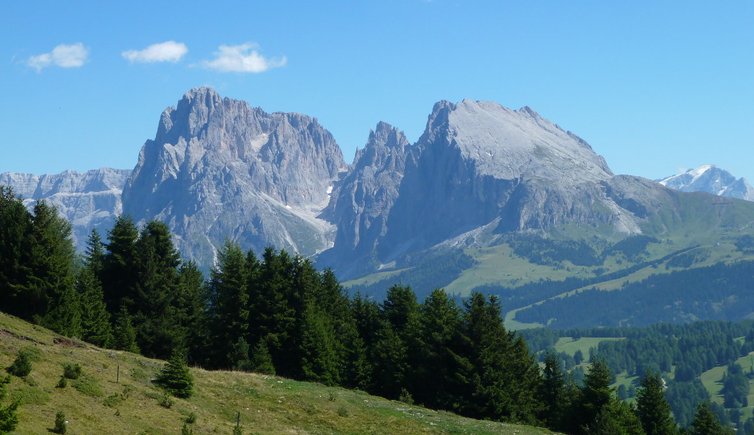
(64, 56)
(168, 51)
(244, 58)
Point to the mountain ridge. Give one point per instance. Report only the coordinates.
(710, 179)
(88, 200)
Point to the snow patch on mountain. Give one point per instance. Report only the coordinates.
(710, 179)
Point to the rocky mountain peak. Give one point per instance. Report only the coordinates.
(710, 179)
(383, 140)
(509, 144)
(219, 168)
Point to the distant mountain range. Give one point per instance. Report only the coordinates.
(88, 200)
(488, 198)
(710, 179)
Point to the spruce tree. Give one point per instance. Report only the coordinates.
(366, 315)
(396, 348)
(705, 422)
(51, 287)
(15, 252)
(8, 417)
(95, 254)
(437, 375)
(119, 266)
(273, 307)
(615, 418)
(390, 363)
(553, 393)
(158, 329)
(230, 301)
(239, 355)
(191, 311)
(124, 334)
(319, 358)
(504, 377)
(652, 408)
(352, 353)
(596, 393)
(65, 313)
(95, 320)
(261, 361)
(175, 376)
(22, 365)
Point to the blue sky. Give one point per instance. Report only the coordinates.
(652, 86)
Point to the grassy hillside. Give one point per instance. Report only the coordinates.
(712, 381)
(97, 403)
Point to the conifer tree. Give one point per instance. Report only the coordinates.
(191, 311)
(261, 361)
(652, 408)
(95, 320)
(304, 295)
(158, 330)
(273, 307)
(239, 355)
(118, 277)
(52, 276)
(504, 377)
(124, 334)
(349, 346)
(366, 315)
(553, 393)
(596, 393)
(15, 252)
(705, 422)
(175, 376)
(437, 374)
(390, 362)
(397, 347)
(8, 417)
(64, 315)
(615, 418)
(95, 254)
(319, 359)
(230, 301)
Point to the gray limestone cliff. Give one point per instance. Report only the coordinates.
(88, 200)
(220, 169)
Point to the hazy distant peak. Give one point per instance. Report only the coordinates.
(710, 179)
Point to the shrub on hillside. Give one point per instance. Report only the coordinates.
(71, 371)
(21, 366)
(175, 377)
(61, 425)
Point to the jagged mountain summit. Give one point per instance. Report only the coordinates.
(220, 169)
(87, 200)
(710, 179)
(477, 166)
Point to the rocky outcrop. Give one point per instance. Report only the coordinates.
(88, 200)
(363, 199)
(220, 169)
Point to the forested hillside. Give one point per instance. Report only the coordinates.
(701, 361)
